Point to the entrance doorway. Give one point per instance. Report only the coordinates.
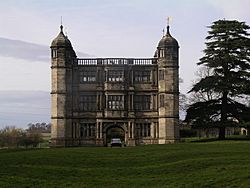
(115, 132)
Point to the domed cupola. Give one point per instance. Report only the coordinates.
(167, 40)
(61, 39)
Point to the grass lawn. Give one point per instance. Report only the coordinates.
(212, 164)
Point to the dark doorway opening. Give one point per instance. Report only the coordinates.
(244, 132)
(115, 132)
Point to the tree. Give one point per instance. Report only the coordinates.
(202, 96)
(182, 100)
(227, 57)
(10, 136)
(39, 128)
(31, 139)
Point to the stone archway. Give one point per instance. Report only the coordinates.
(244, 132)
(114, 131)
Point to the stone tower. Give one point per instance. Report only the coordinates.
(62, 57)
(168, 88)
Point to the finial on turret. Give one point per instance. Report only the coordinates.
(169, 19)
(163, 32)
(61, 27)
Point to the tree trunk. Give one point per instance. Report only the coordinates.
(222, 129)
(222, 133)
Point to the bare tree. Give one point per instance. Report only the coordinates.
(202, 96)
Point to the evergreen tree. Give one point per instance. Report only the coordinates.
(227, 55)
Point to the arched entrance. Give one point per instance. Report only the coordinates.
(244, 132)
(114, 131)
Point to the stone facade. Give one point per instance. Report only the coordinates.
(96, 99)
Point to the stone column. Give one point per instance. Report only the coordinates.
(152, 130)
(126, 132)
(101, 133)
(97, 129)
(157, 130)
(129, 130)
(87, 127)
(74, 130)
(129, 103)
(101, 98)
(132, 78)
(133, 130)
(77, 130)
(132, 102)
(106, 101)
(97, 101)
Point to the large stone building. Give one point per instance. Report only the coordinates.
(96, 99)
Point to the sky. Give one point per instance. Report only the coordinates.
(101, 28)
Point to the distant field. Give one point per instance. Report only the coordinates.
(213, 164)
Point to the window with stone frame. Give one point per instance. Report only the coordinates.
(161, 53)
(87, 130)
(87, 76)
(161, 74)
(142, 75)
(54, 53)
(115, 102)
(87, 103)
(115, 76)
(142, 130)
(162, 100)
(146, 129)
(142, 102)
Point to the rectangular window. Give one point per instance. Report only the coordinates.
(142, 76)
(54, 53)
(137, 130)
(161, 53)
(143, 130)
(146, 129)
(115, 102)
(161, 74)
(87, 76)
(161, 100)
(115, 76)
(87, 103)
(142, 102)
(87, 130)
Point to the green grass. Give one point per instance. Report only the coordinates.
(213, 164)
(215, 138)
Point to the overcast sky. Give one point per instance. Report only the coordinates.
(108, 28)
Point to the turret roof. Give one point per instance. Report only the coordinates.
(61, 39)
(168, 40)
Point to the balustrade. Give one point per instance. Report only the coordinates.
(116, 61)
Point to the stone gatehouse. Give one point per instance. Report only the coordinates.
(96, 99)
